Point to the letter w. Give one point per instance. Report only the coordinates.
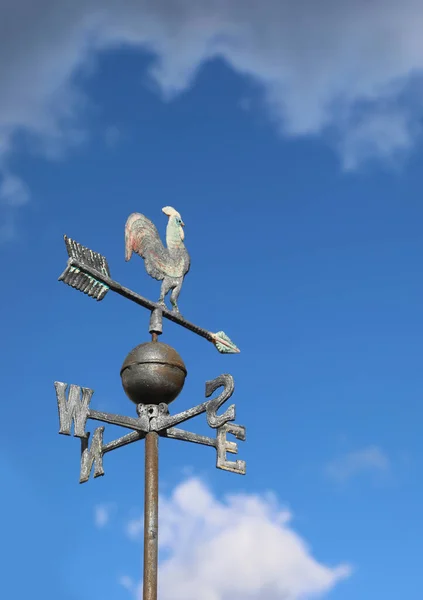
(75, 408)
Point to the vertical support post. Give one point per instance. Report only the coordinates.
(151, 509)
(151, 491)
(156, 324)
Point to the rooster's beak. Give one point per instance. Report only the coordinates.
(183, 224)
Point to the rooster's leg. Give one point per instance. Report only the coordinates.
(167, 285)
(175, 295)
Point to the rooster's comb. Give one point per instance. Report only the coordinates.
(170, 212)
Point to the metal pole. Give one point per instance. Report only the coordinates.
(151, 508)
(151, 492)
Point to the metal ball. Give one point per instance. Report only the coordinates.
(152, 373)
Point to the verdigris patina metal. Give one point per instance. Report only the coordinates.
(88, 272)
(153, 374)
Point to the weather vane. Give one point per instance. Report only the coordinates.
(153, 374)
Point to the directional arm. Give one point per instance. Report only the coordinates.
(220, 442)
(162, 420)
(128, 422)
(73, 404)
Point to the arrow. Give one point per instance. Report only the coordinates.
(88, 272)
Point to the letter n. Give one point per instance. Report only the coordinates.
(92, 455)
(75, 408)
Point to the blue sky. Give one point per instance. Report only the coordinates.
(305, 239)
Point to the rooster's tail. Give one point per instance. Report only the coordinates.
(129, 235)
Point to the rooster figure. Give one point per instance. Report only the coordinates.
(170, 264)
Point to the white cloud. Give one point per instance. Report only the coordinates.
(128, 584)
(13, 191)
(241, 548)
(367, 460)
(134, 528)
(349, 68)
(102, 514)
(317, 61)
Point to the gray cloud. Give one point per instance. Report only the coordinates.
(347, 68)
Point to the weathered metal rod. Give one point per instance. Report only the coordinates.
(88, 272)
(140, 300)
(151, 508)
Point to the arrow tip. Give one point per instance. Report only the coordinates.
(224, 344)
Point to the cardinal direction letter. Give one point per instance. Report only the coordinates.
(92, 455)
(75, 408)
(163, 420)
(223, 446)
(227, 381)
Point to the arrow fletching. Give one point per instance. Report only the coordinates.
(79, 279)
